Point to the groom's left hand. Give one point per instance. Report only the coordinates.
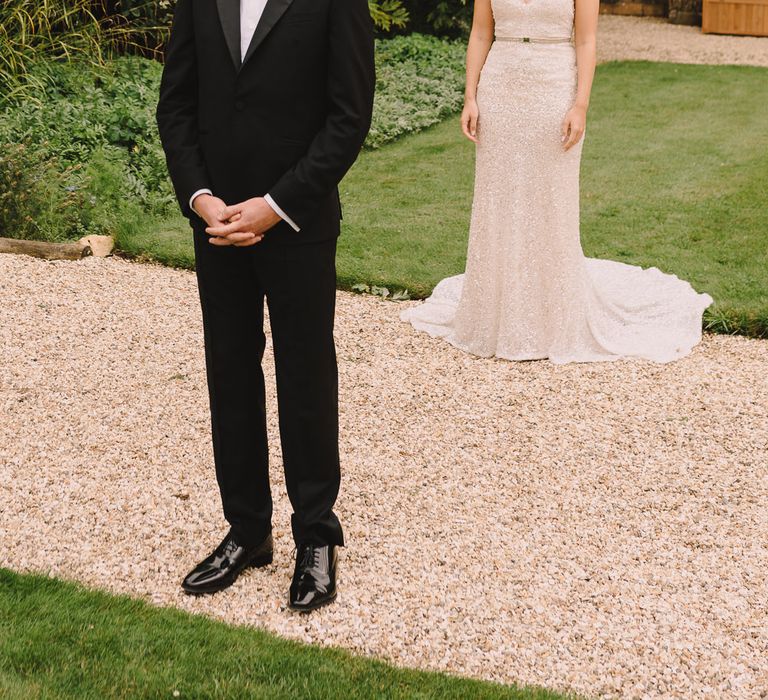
(248, 222)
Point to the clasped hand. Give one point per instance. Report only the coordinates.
(240, 225)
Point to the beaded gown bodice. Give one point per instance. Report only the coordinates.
(536, 18)
(528, 291)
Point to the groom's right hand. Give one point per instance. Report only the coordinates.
(211, 209)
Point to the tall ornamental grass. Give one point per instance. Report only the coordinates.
(31, 30)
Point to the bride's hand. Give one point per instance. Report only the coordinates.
(574, 124)
(469, 117)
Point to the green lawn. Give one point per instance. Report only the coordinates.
(675, 175)
(59, 640)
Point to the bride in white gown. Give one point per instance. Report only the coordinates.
(528, 291)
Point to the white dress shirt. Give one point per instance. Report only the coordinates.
(250, 14)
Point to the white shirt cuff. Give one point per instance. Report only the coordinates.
(281, 213)
(195, 196)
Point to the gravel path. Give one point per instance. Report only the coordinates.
(601, 528)
(649, 39)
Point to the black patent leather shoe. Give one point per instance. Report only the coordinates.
(228, 561)
(314, 579)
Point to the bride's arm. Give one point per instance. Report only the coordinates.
(480, 41)
(586, 57)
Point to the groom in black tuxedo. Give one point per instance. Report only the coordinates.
(264, 106)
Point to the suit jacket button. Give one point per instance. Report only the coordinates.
(239, 105)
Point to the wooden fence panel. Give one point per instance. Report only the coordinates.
(746, 17)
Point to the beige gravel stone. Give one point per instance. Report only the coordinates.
(601, 528)
(651, 39)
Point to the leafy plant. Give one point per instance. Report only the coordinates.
(32, 30)
(383, 292)
(388, 13)
(38, 198)
(92, 129)
(420, 82)
(88, 146)
(451, 17)
(444, 17)
(150, 22)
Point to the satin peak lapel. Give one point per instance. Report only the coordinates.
(229, 14)
(272, 13)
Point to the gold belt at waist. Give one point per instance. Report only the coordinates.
(534, 40)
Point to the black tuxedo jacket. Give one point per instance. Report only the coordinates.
(288, 121)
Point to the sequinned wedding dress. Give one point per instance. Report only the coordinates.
(528, 291)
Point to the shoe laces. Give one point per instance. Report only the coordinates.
(309, 556)
(229, 547)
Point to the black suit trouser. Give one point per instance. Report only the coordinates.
(299, 284)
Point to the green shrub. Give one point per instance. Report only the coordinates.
(420, 82)
(43, 199)
(82, 111)
(90, 145)
(442, 17)
(39, 199)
